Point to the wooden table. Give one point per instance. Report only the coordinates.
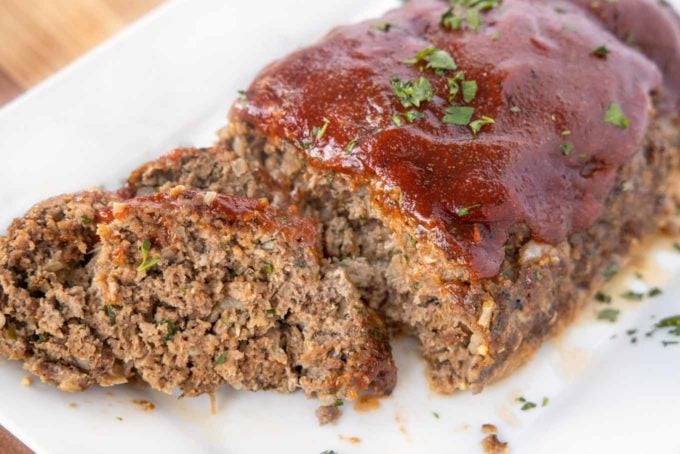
(41, 36)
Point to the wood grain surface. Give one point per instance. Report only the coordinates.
(38, 38)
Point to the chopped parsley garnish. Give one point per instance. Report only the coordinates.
(243, 97)
(467, 12)
(600, 51)
(477, 125)
(412, 93)
(147, 262)
(609, 314)
(469, 88)
(329, 451)
(396, 119)
(601, 297)
(656, 291)
(172, 329)
(320, 132)
(413, 115)
(270, 312)
(526, 405)
(458, 115)
(382, 26)
(435, 414)
(539, 275)
(615, 116)
(464, 211)
(350, 146)
(567, 148)
(267, 268)
(119, 418)
(110, 314)
(671, 322)
(633, 296)
(338, 403)
(515, 109)
(86, 220)
(544, 402)
(437, 59)
(221, 358)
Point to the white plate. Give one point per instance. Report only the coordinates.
(168, 81)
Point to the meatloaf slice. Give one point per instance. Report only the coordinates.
(218, 169)
(200, 289)
(46, 306)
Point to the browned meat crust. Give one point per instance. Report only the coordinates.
(46, 305)
(237, 296)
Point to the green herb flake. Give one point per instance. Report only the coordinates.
(437, 59)
(270, 312)
(458, 115)
(243, 97)
(221, 359)
(338, 403)
(515, 109)
(477, 125)
(413, 115)
(396, 119)
(319, 132)
(469, 88)
(526, 405)
(267, 268)
(545, 402)
(670, 322)
(630, 295)
(147, 263)
(435, 414)
(600, 52)
(383, 26)
(602, 297)
(412, 93)
(329, 451)
(567, 148)
(119, 418)
(350, 146)
(539, 276)
(615, 116)
(86, 220)
(171, 328)
(609, 314)
(464, 211)
(110, 314)
(656, 291)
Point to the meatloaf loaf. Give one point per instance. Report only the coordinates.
(477, 168)
(198, 289)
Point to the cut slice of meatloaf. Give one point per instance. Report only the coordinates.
(218, 169)
(46, 307)
(199, 289)
(478, 183)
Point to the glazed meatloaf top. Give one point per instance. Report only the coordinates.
(466, 121)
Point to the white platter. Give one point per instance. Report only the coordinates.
(169, 81)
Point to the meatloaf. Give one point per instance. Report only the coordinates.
(474, 167)
(199, 289)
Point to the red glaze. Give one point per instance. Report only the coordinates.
(514, 170)
(651, 26)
